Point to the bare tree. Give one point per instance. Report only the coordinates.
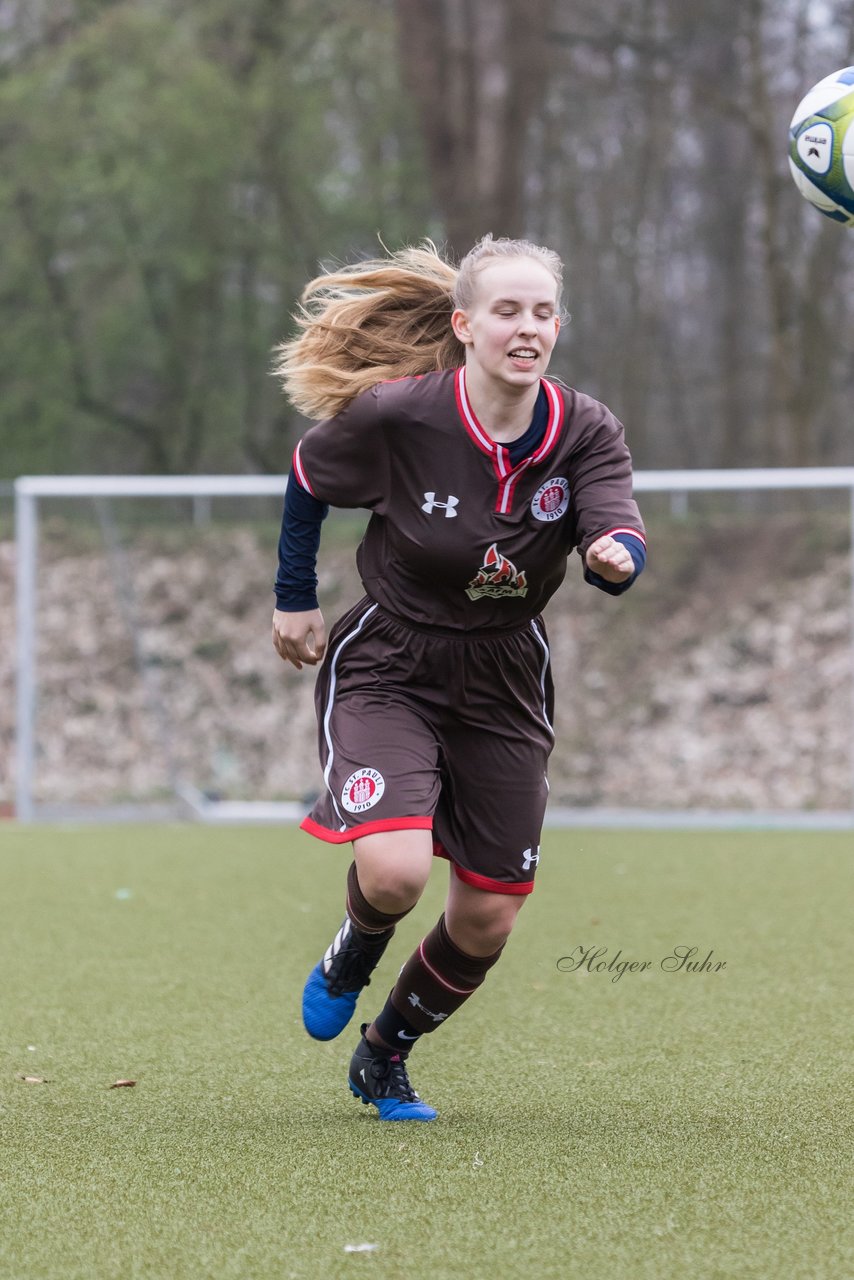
(479, 72)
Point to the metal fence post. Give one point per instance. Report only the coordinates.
(26, 549)
(851, 642)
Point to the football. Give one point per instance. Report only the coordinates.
(821, 146)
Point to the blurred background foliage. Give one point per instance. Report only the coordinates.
(173, 171)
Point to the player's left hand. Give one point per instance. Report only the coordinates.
(610, 559)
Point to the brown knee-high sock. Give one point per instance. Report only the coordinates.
(436, 979)
(365, 918)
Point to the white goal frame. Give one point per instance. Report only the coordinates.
(30, 489)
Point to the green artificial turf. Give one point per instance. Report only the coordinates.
(667, 1124)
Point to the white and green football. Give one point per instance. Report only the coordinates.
(821, 146)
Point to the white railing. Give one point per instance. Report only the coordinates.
(30, 489)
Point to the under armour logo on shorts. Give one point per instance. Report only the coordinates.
(530, 859)
(448, 507)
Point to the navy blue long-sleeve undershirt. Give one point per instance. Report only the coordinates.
(299, 543)
(303, 515)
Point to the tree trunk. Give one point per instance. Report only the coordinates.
(479, 72)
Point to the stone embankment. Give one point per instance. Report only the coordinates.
(723, 680)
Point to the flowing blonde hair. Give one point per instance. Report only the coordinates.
(385, 318)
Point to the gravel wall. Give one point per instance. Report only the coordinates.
(720, 680)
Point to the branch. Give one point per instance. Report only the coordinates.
(611, 41)
(84, 396)
(133, 235)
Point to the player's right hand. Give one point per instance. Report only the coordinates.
(299, 637)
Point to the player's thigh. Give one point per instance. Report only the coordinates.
(380, 763)
(382, 757)
(490, 815)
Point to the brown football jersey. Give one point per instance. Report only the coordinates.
(459, 538)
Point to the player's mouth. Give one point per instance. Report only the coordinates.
(523, 357)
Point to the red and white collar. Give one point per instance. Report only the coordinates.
(506, 474)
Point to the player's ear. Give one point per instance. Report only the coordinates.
(460, 326)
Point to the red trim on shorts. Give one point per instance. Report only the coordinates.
(492, 886)
(482, 882)
(365, 828)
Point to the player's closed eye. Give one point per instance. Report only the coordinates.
(545, 314)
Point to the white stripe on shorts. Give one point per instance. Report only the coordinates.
(327, 716)
(546, 657)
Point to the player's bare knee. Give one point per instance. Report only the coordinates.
(498, 926)
(393, 868)
(395, 890)
(482, 922)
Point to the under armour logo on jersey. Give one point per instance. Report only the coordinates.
(530, 858)
(429, 504)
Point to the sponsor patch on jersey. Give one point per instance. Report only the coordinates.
(497, 577)
(551, 499)
(362, 790)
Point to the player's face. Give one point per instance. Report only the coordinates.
(511, 328)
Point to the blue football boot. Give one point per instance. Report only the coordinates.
(332, 989)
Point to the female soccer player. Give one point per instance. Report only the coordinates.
(434, 704)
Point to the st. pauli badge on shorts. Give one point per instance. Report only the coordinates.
(362, 790)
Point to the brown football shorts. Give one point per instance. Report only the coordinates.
(448, 732)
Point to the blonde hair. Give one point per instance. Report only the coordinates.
(488, 249)
(385, 318)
